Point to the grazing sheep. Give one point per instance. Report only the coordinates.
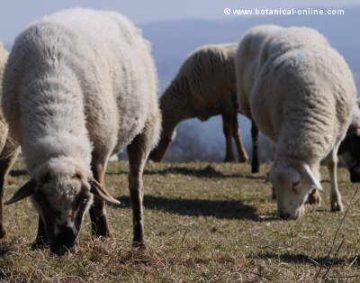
(303, 100)
(8, 148)
(204, 87)
(79, 86)
(349, 150)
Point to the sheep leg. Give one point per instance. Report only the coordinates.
(159, 153)
(41, 240)
(314, 198)
(99, 223)
(335, 196)
(255, 164)
(5, 166)
(243, 157)
(229, 157)
(138, 152)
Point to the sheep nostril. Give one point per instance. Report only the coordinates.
(67, 237)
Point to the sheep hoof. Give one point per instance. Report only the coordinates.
(243, 159)
(314, 198)
(99, 226)
(273, 193)
(139, 245)
(101, 231)
(229, 159)
(255, 169)
(337, 206)
(39, 245)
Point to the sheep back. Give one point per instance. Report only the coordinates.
(79, 83)
(303, 96)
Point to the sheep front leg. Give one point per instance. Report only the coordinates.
(138, 152)
(41, 240)
(229, 157)
(255, 164)
(99, 223)
(335, 196)
(243, 157)
(6, 163)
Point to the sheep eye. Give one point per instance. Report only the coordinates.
(295, 186)
(45, 179)
(77, 175)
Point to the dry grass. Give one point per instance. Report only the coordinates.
(204, 222)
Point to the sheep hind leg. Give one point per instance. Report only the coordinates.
(99, 223)
(314, 198)
(255, 164)
(335, 196)
(229, 157)
(138, 152)
(243, 157)
(5, 166)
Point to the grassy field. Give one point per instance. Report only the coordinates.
(204, 222)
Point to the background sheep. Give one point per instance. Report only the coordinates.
(74, 95)
(8, 148)
(204, 87)
(349, 150)
(302, 99)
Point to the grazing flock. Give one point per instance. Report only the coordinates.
(81, 85)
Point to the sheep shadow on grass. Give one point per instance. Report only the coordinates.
(222, 209)
(206, 172)
(5, 249)
(324, 261)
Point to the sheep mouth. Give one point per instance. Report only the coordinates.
(64, 242)
(61, 250)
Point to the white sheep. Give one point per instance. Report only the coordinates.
(204, 87)
(8, 148)
(79, 86)
(302, 98)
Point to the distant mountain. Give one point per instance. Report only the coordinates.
(173, 40)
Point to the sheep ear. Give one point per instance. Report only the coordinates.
(284, 173)
(25, 191)
(101, 193)
(316, 183)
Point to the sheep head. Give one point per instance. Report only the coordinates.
(350, 150)
(62, 197)
(293, 182)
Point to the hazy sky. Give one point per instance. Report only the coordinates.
(15, 14)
